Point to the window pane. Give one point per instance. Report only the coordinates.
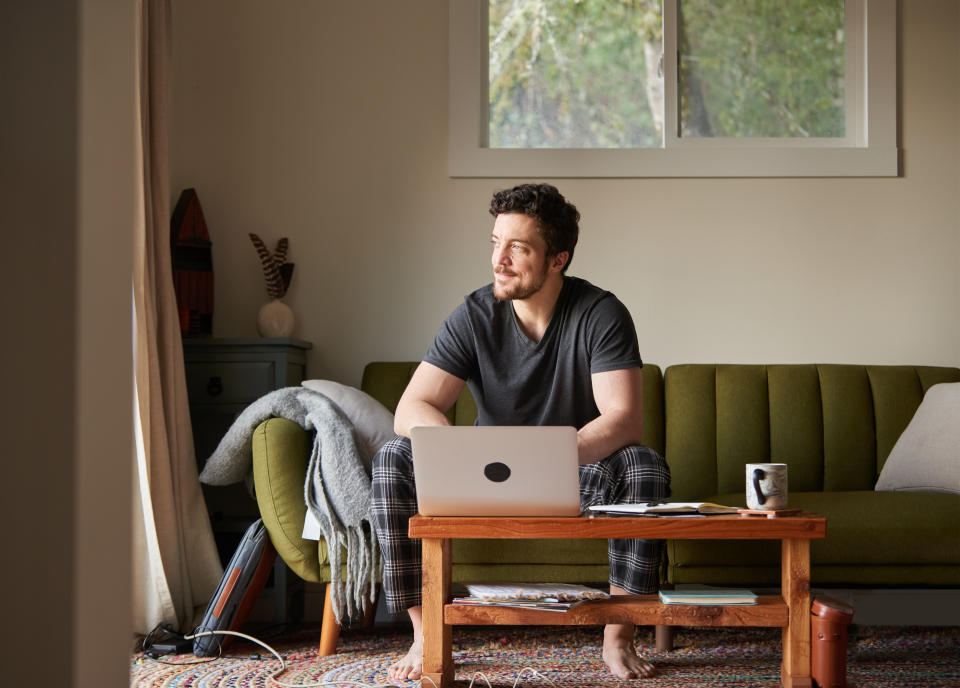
(575, 74)
(762, 68)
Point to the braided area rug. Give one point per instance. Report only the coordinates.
(878, 657)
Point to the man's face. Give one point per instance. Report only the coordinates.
(520, 262)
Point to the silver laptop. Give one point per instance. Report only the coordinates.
(496, 470)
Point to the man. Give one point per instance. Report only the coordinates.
(536, 348)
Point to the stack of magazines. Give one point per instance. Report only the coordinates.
(558, 597)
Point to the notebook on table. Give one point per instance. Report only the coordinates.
(496, 470)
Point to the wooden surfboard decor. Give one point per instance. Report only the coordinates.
(192, 258)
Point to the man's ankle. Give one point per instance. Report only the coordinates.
(619, 633)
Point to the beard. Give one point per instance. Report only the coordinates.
(518, 290)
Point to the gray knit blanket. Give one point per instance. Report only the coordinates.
(337, 486)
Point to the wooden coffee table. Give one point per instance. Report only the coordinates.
(790, 610)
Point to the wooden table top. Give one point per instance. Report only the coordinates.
(805, 525)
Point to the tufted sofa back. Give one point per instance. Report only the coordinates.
(833, 424)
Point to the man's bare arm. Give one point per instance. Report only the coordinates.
(619, 396)
(429, 394)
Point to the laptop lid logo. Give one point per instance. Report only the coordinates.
(496, 472)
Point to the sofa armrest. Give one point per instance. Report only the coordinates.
(281, 451)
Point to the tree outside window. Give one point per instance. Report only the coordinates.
(588, 73)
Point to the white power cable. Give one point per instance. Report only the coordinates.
(340, 684)
(283, 665)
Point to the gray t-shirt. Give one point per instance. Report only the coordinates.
(516, 381)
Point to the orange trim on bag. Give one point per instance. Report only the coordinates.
(226, 592)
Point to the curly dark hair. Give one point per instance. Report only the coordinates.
(557, 219)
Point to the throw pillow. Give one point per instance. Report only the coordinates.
(371, 419)
(926, 457)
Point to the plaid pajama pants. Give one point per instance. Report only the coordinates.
(630, 475)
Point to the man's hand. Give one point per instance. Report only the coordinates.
(429, 394)
(619, 396)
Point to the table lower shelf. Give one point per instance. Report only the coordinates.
(646, 610)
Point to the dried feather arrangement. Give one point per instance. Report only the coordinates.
(276, 269)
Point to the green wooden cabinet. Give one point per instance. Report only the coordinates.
(224, 376)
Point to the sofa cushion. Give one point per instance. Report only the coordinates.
(371, 420)
(545, 561)
(555, 552)
(864, 528)
(541, 573)
(926, 457)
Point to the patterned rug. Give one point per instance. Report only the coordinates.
(877, 657)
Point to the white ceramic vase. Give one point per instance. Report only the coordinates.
(275, 319)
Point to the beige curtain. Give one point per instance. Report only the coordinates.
(176, 567)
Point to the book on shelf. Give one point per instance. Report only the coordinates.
(666, 508)
(709, 596)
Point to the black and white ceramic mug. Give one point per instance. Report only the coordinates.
(766, 486)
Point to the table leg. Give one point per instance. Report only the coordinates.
(795, 588)
(437, 636)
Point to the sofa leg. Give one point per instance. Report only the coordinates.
(330, 629)
(664, 636)
(370, 615)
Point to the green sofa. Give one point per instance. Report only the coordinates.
(834, 426)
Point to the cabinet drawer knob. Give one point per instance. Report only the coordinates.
(214, 386)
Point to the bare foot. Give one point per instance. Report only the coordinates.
(410, 666)
(620, 654)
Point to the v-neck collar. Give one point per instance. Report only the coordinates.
(551, 326)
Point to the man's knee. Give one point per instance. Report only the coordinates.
(395, 453)
(637, 455)
(644, 468)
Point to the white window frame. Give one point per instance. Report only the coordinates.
(869, 148)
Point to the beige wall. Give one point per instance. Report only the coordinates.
(66, 171)
(107, 128)
(326, 122)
